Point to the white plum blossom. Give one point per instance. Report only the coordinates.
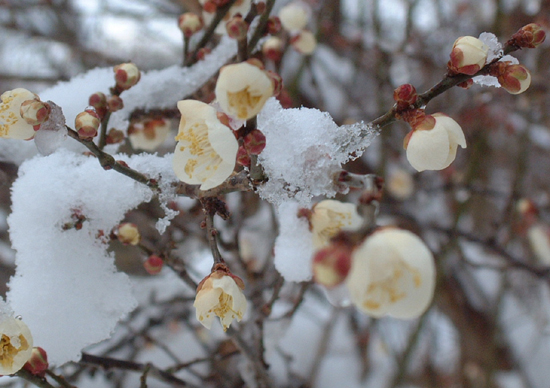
(468, 55)
(220, 294)
(392, 273)
(15, 345)
(149, 135)
(294, 16)
(329, 217)
(206, 151)
(242, 90)
(12, 125)
(434, 147)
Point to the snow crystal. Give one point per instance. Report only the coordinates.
(66, 285)
(304, 148)
(293, 246)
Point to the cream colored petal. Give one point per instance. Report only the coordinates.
(141, 142)
(294, 16)
(329, 217)
(428, 149)
(16, 345)
(456, 135)
(205, 302)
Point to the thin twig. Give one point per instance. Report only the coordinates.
(59, 379)
(38, 381)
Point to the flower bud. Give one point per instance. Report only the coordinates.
(405, 95)
(126, 75)
(331, 264)
(114, 136)
(87, 123)
(237, 27)
(99, 101)
(243, 158)
(153, 265)
(254, 142)
(273, 25)
(305, 42)
(190, 23)
(529, 36)
(34, 112)
(294, 16)
(115, 103)
(128, 234)
(12, 125)
(38, 363)
(273, 48)
(515, 79)
(468, 55)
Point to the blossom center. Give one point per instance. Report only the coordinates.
(243, 101)
(9, 350)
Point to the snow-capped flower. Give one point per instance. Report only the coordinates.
(329, 217)
(207, 150)
(190, 23)
(12, 125)
(514, 78)
(242, 90)
(304, 42)
(220, 294)
(128, 233)
(433, 142)
(538, 236)
(126, 75)
(392, 273)
(468, 55)
(241, 7)
(294, 16)
(399, 183)
(149, 134)
(15, 345)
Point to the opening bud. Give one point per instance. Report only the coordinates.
(405, 95)
(153, 265)
(126, 75)
(468, 55)
(190, 23)
(331, 264)
(514, 78)
(254, 142)
(34, 112)
(128, 234)
(87, 123)
(243, 158)
(38, 363)
(529, 36)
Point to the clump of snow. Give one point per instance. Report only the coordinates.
(66, 285)
(491, 41)
(304, 148)
(52, 133)
(293, 246)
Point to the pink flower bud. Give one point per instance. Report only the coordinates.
(38, 363)
(514, 78)
(529, 36)
(128, 234)
(273, 48)
(114, 136)
(126, 75)
(405, 95)
(99, 101)
(243, 158)
(115, 103)
(87, 123)
(34, 112)
(273, 25)
(331, 264)
(254, 142)
(153, 265)
(236, 27)
(468, 55)
(190, 23)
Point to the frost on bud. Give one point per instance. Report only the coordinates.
(514, 78)
(153, 265)
(433, 142)
(38, 363)
(331, 264)
(115, 103)
(468, 55)
(273, 48)
(330, 217)
(273, 25)
(148, 134)
(254, 142)
(538, 236)
(190, 23)
(529, 36)
(87, 123)
(128, 234)
(15, 345)
(294, 16)
(12, 125)
(242, 90)
(405, 95)
(34, 112)
(99, 101)
(220, 294)
(392, 273)
(305, 42)
(399, 184)
(126, 75)
(237, 27)
(206, 151)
